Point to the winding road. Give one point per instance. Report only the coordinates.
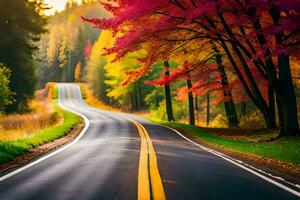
(121, 156)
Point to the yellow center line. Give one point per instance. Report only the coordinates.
(148, 187)
(156, 181)
(144, 192)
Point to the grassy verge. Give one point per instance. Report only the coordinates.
(83, 91)
(286, 150)
(55, 92)
(10, 149)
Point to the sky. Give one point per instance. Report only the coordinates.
(57, 5)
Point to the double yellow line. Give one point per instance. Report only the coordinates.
(150, 185)
(149, 180)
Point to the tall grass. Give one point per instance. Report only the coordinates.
(51, 90)
(18, 126)
(46, 122)
(12, 148)
(42, 115)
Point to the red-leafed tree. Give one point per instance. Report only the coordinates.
(257, 36)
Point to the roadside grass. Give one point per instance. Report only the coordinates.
(244, 134)
(17, 126)
(55, 91)
(52, 90)
(286, 150)
(9, 149)
(42, 115)
(83, 91)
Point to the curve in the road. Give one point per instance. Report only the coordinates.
(114, 158)
(86, 126)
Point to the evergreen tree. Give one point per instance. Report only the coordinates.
(21, 23)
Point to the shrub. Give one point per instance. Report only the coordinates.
(252, 120)
(6, 96)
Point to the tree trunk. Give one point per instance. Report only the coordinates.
(196, 103)
(270, 71)
(133, 107)
(140, 94)
(191, 103)
(250, 89)
(207, 109)
(287, 98)
(231, 114)
(197, 109)
(136, 96)
(285, 91)
(230, 110)
(71, 68)
(168, 97)
(270, 118)
(253, 89)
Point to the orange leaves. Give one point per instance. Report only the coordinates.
(135, 74)
(182, 93)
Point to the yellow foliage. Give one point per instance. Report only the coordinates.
(108, 76)
(92, 100)
(77, 72)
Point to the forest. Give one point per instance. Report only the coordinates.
(190, 66)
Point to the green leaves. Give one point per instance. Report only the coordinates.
(6, 96)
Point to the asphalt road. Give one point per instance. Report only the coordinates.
(107, 163)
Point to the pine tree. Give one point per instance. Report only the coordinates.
(21, 24)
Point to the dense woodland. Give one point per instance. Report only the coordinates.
(231, 52)
(66, 43)
(194, 61)
(21, 25)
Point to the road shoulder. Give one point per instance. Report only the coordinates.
(288, 172)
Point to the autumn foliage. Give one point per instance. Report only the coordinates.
(255, 40)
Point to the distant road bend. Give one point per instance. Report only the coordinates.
(121, 156)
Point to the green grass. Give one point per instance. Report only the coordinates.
(55, 92)
(286, 150)
(83, 92)
(9, 150)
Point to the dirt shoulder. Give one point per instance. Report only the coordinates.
(41, 150)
